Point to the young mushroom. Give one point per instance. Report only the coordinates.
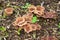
(19, 21)
(49, 38)
(36, 26)
(9, 11)
(50, 14)
(28, 17)
(39, 10)
(31, 8)
(29, 27)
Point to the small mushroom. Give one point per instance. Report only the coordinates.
(9, 11)
(28, 17)
(31, 8)
(35, 26)
(39, 10)
(49, 38)
(27, 28)
(18, 21)
(50, 14)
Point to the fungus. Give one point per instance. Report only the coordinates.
(9, 11)
(39, 10)
(31, 8)
(28, 17)
(19, 21)
(49, 38)
(29, 27)
(35, 26)
(50, 14)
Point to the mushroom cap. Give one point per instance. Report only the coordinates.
(39, 10)
(29, 27)
(18, 21)
(9, 11)
(50, 14)
(31, 8)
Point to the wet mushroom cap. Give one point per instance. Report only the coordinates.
(50, 15)
(31, 8)
(9, 11)
(39, 10)
(31, 27)
(27, 28)
(28, 17)
(18, 20)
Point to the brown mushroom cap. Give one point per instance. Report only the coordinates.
(50, 14)
(49, 38)
(31, 8)
(31, 27)
(27, 28)
(28, 17)
(39, 10)
(9, 11)
(18, 21)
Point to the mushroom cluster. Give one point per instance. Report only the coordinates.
(51, 14)
(24, 22)
(38, 10)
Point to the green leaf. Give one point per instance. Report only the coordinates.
(34, 19)
(2, 28)
(18, 32)
(59, 25)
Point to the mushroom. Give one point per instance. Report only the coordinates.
(50, 14)
(31, 8)
(9, 11)
(49, 38)
(39, 10)
(20, 21)
(28, 17)
(35, 26)
(29, 27)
